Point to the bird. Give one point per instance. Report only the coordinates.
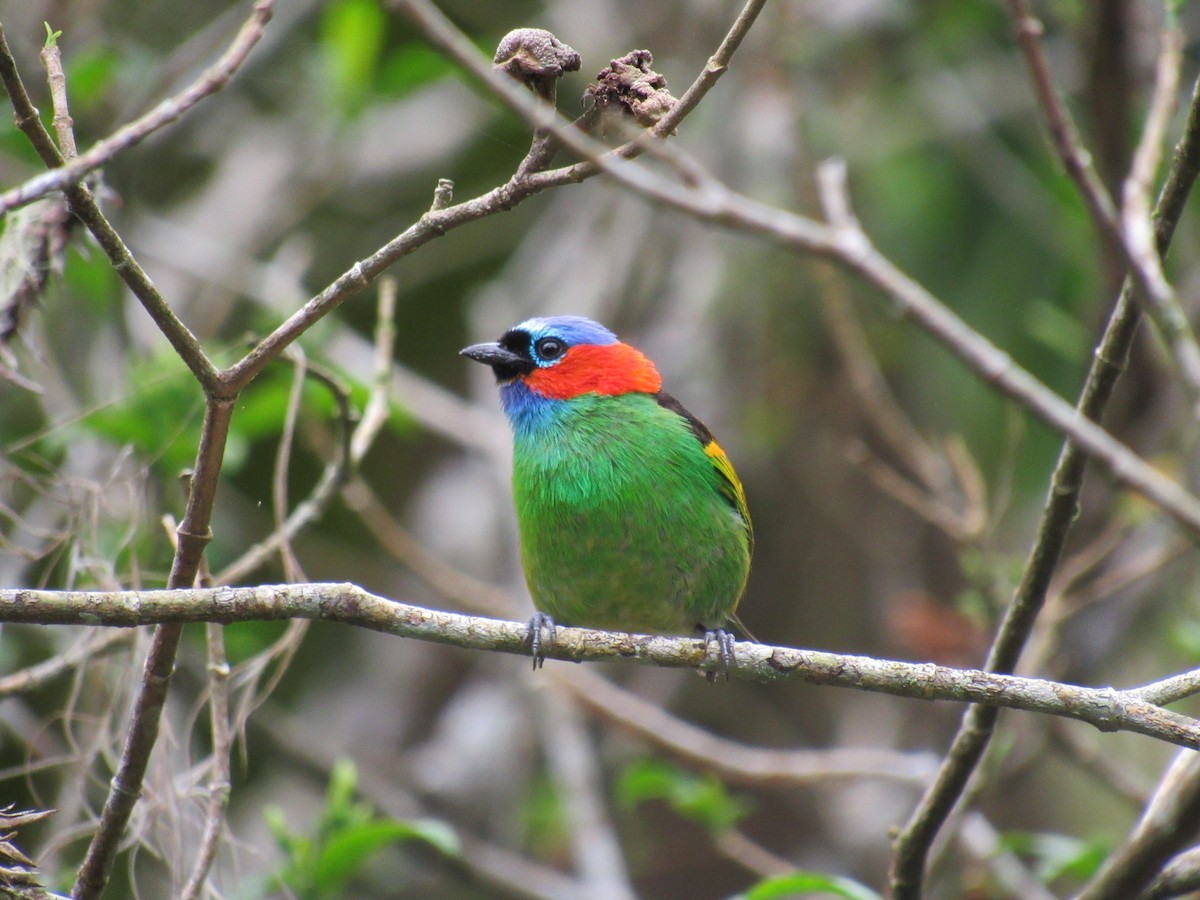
(630, 515)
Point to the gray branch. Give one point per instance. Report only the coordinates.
(1108, 709)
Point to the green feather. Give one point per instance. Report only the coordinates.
(627, 522)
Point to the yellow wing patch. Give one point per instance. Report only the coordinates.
(732, 486)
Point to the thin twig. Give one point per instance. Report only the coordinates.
(64, 126)
(84, 206)
(220, 782)
(194, 535)
(572, 760)
(398, 542)
(283, 456)
(1173, 689)
(1179, 878)
(1128, 232)
(354, 444)
(78, 654)
(874, 394)
(213, 79)
(1062, 130)
(1106, 770)
(219, 778)
(738, 847)
(735, 762)
(1137, 222)
(934, 508)
(375, 413)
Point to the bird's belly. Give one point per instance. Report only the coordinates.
(641, 559)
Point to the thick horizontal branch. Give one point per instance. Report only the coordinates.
(1107, 709)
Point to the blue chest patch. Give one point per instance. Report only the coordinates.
(530, 414)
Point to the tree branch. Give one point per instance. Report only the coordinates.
(1105, 708)
(1180, 877)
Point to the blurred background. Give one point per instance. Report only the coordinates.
(894, 496)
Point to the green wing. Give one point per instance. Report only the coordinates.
(731, 485)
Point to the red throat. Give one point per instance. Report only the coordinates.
(609, 369)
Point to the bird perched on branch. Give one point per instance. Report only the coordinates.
(631, 516)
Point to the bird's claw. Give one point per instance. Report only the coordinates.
(536, 624)
(724, 650)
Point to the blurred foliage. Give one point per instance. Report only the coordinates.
(807, 884)
(329, 143)
(544, 821)
(351, 38)
(704, 800)
(322, 864)
(1058, 856)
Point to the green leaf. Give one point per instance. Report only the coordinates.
(51, 36)
(246, 639)
(544, 819)
(345, 836)
(352, 36)
(159, 414)
(90, 277)
(1056, 329)
(411, 67)
(1184, 636)
(92, 71)
(1058, 855)
(797, 884)
(702, 799)
(345, 853)
(343, 781)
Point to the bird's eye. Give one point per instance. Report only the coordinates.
(549, 348)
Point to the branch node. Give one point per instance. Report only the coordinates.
(1114, 712)
(119, 787)
(1030, 25)
(834, 195)
(443, 195)
(203, 537)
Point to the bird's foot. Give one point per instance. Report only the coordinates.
(536, 624)
(724, 650)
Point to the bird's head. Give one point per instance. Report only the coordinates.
(561, 357)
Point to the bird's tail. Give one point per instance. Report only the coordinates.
(741, 626)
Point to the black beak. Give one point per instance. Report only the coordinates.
(504, 362)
